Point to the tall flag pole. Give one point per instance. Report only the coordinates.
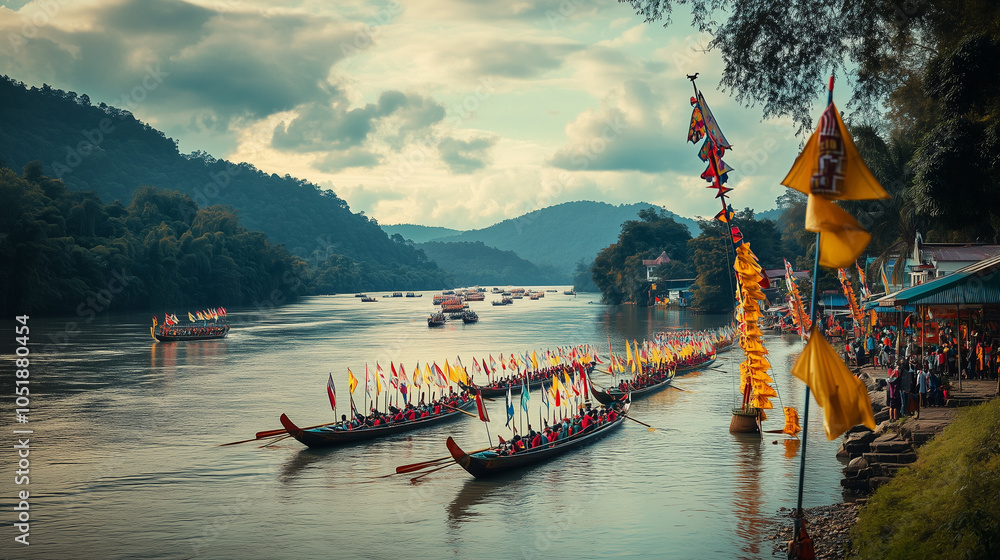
(754, 381)
(830, 168)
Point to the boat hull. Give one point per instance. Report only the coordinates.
(694, 367)
(481, 466)
(329, 437)
(182, 337)
(612, 395)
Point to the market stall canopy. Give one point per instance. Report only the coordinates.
(978, 283)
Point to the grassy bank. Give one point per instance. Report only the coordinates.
(947, 504)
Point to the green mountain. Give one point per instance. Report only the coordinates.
(558, 236)
(419, 234)
(110, 153)
(471, 263)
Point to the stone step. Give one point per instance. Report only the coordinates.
(905, 458)
(887, 469)
(876, 481)
(920, 438)
(891, 443)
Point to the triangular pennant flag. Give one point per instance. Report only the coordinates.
(837, 170)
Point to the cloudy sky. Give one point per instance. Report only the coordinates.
(456, 113)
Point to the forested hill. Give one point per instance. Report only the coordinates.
(108, 151)
(474, 264)
(561, 235)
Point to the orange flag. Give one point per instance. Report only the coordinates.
(792, 426)
(843, 397)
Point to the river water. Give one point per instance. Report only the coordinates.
(124, 461)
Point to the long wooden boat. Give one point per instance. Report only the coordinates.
(699, 365)
(489, 463)
(328, 436)
(613, 394)
(501, 391)
(192, 332)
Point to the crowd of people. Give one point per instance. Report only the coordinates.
(586, 421)
(980, 358)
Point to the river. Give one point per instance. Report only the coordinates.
(124, 461)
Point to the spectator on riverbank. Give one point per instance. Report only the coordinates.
(893, 397)
(922, 385)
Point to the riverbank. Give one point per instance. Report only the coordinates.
(829, 526)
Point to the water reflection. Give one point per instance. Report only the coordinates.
(750, 523)
(792, 447)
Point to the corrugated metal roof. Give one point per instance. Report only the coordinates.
(968, 253)
(974, 284)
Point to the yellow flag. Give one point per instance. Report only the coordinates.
(428, 375)
(352, 382)
(534, 361)
(843, 397)
(628, 355)
(855, 181)
(792, 426)
(452, 373)
(843, 239)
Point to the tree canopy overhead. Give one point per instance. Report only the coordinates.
(778, 54)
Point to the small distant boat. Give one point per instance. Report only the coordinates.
(397, 294)
(366, 298)
(535, 296)
(504, 301)
(496, 291)
(436, 320)
(411, 294)
(475, 296)
(552, 291)
(194, 332)
(359, 294)
(570, 292)
(469, 316)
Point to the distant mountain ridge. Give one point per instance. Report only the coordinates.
(419, 234)
(560, 236)
(471, 263)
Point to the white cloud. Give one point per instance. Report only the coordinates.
(445, 112)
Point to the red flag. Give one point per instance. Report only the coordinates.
(481, 407)
(332, 392)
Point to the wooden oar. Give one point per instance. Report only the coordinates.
(274, 441)
(418, 477)
(679, 389)
(430, 463)
(271, 433)
(652, 429)
(460, 410)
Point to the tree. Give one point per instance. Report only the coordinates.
(618, 270)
